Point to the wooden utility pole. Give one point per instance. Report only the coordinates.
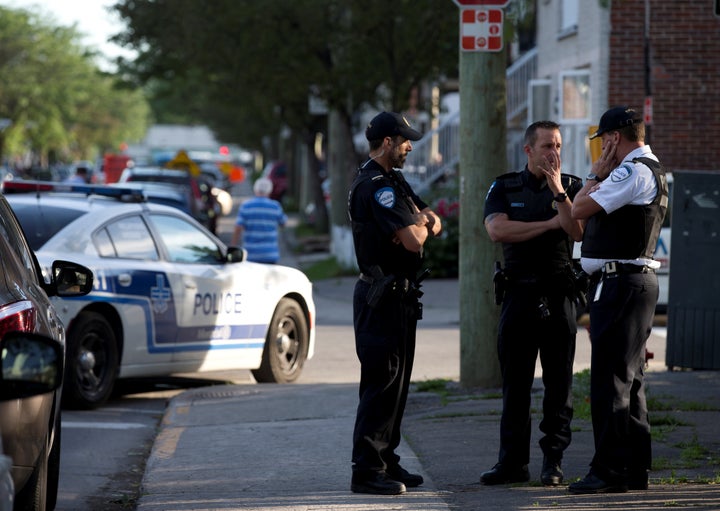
(482, 158)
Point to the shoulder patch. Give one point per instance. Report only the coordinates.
(621, 173)
(385, 197)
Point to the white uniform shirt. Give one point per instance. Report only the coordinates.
(629, 183)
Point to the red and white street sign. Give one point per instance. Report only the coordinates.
(481, 30)
(481, 3)
(648, 111)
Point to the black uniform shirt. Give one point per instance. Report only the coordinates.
(525, 198)
(378, 206)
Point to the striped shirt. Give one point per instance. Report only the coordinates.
(260, 218)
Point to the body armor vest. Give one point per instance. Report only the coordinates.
(631, 231)
(547, 253)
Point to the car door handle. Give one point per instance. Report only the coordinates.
(124, 279)
(190, 284)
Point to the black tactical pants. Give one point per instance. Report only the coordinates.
(621, 317)
(524, 332)
(385, 346)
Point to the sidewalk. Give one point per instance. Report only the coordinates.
(286, 447)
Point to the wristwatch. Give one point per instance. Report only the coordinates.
(560, 197)
(593, 177)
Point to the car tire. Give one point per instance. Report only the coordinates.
(286, 345)
(53, 478)
(33, 496)
(92, 362)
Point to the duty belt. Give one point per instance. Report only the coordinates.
(398, 284)
(614, 267)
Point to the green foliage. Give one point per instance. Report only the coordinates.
(246, 68)
(325, 269)
(442, 253)
(57, 101)
(581, 395)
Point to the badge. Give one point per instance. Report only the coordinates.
(385, 197)
(621, 173)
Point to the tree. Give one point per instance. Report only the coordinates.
(55, 99)
(246, 68)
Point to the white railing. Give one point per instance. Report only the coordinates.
(437, 154)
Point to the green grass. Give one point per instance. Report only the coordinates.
(326, 269)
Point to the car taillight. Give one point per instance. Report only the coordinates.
(17, 317)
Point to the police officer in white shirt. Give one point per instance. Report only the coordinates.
(623, 202)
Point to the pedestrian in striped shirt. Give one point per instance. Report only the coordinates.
(257, 225)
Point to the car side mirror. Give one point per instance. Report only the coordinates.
(71, 279)
(30, 365)
(236, 255)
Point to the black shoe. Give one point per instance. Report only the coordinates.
(502, 474)
(400, 474)
(593, 484)
(377, 484)
(552, 474)
(638, 481)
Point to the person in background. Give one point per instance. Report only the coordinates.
(81, 176)
(529, 212)
(390, 225)
(623, 203)
(258, 223)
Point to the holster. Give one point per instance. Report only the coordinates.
(380, 284)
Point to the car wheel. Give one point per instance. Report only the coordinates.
(92, 362)
(286, 346)
(34, 494)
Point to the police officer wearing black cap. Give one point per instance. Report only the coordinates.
(623, 202)
(529, 212)
(390, 224)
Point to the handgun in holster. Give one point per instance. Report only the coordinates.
(381, 284)
(500, 283)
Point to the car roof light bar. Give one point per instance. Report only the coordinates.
(121, 193)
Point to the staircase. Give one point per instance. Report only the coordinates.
(437, 154)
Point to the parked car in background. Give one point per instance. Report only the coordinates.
(169, 296)
(204, 206)
(30, 422)
(276, 171)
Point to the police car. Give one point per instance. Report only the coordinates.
(168, 296)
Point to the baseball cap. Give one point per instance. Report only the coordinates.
(617, 118)
(390, 124)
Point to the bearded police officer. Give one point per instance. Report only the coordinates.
(529, 212)
(390, 224)
(624, 201)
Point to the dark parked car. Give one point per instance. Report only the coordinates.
(204, 206)
(30, 424)
(276, 171)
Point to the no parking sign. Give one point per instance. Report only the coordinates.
(481, 30)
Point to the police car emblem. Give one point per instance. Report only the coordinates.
(160, 295)
(385, 197)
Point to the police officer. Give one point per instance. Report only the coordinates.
(529, 212)
(624, 201)
(390, 224)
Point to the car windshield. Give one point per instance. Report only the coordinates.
(41, 222)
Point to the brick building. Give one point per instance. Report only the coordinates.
(683, 76)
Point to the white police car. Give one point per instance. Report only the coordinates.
(169, 297)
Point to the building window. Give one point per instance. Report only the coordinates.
(569, 10)
(539, 100)
(575, 97)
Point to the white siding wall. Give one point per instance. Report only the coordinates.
(585, 49)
